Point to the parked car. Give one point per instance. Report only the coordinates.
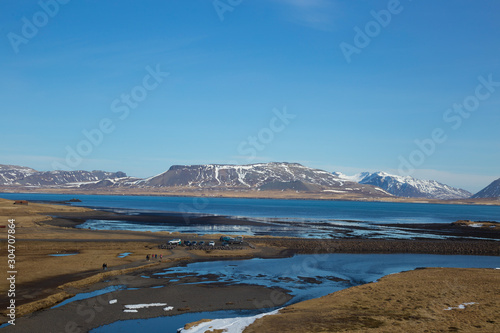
(194, 242)
(236, 240)
(174, 242)
(187, 243)
(211, 243)
(201, 243)
(231, 240)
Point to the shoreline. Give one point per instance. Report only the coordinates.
(273, 195)
(458, 230)
(40, 235)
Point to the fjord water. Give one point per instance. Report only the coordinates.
(379, 212)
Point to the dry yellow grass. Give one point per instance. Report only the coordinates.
(33, 262)
(407, 302)
(478, 224)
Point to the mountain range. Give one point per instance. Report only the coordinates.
(258, 177)
(406, 186)
(18, 175)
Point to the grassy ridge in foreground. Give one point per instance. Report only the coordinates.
(415, 301)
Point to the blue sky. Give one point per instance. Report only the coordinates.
(253, 81)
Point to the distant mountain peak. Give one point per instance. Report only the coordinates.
(406, 186)
(9, 174)
(18, 175)
(490, 191)
(260, 176)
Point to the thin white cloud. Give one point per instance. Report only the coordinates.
(315, 14)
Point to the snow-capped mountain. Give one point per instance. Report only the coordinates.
(10, 173)
(59, 177)
(490, 191)
(17, 175)
(408, 186)
(263, 176)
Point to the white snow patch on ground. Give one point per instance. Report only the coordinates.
(142, 306)
(113, 301)
(460, 307)
(168, 308)
(476, 225)
(133, 310)
(230, 325)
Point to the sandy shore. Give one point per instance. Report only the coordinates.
(43, 280)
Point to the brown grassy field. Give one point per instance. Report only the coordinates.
(415, 301)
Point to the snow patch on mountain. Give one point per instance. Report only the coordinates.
(9, 174)
(355, 178)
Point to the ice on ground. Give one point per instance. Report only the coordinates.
(476, 225)
(460, 307)
(130, 310)
(141, 306)
(168, 308)
(230, 325)
(113, 301)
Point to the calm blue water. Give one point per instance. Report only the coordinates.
(283, 209)
(88, 295)
(168, 324)
(355, 269)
